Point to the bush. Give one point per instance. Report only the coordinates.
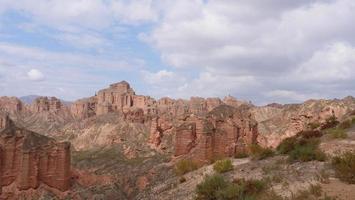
(216, 188)
(251, 187)
(211, 187)
(345, 124)
(330, 122)
(314, 125)
(182, 179)
(310, 134)
(287, 145)
(306, 153)
(184, 166)
(259, 153)
(337, 133)
(222, 166)
(344, 166)
(241, 154)
(301, 149)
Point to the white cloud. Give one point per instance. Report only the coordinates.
(214, 85)
(206, 84)
(335, 62)
(158, 77)
(250, 42)
(135, 11)
(303, 47)
(37, 56)
(71, 15)
(35, 75)
(286, 94)
(259, 50)
(79, 74)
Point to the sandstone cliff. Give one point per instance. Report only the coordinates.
(11, 104)
(120, 97)
(29, 159)
(223, 132)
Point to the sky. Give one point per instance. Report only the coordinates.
(264, 51)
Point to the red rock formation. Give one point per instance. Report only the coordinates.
(115, 98)
(134, 115)
(11, 104)
(29, 159)
(224, 132)
(277, 123)
(120, 97)
(185, 138)
(158, 127)
(84, 108)
(45, 104)
(231, 101)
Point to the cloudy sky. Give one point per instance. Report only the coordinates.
(259, 50)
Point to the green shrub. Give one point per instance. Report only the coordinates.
(344, 166)
(306, 153)
(211, 187)
(184, 166)
(222, 166)
(330, 122)
(310, 134)
(337, 133)
(301, 149)
(287, 145)
(314, 125)
(306, 150)
(251, 187)
(241, 154)
(345, 124)
(182, 179)
(315, 190)
(259, 153)
(216, 188)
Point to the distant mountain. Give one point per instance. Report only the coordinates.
(30, 98)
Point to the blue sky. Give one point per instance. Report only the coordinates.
(269, 51)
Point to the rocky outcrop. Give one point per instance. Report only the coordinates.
(225, 131)
(84, 108)
(232, 101)
(46, 104)
(115, 98)
(29, 159)
(11, 104)
(134, 115)
(159, 127)
(277, 122)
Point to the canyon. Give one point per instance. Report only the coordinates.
(117, 144)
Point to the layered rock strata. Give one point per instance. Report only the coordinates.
(46, 104)
(224, 131)
(29, 159)
(120, 97)
(11, 104)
